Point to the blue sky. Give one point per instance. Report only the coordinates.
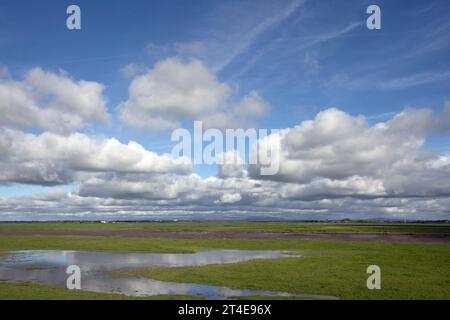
(413, 41)
(301, 57)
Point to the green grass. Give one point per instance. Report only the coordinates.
(108, 244)
(397, 228)
(30, 291)
(409, 271)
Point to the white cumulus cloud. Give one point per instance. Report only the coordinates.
(175, 90)
(51, 101)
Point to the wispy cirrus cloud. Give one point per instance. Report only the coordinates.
(414, 80)
(248, 38)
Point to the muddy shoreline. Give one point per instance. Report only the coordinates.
(366, 237)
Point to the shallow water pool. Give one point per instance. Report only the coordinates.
(49, 267)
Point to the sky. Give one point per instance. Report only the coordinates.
(86, 116)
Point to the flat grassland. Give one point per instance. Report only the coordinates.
(320, 227)
(414, 265)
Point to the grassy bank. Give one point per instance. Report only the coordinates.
(31, 291)
(108, 244)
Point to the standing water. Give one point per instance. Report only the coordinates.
(49, 267)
